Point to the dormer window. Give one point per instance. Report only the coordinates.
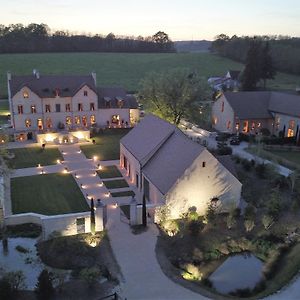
(120, 102)
(57, 92)
(85, 93)
(107, 101)
(25, 95)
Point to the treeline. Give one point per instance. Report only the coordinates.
(17, 38)
(284, 50)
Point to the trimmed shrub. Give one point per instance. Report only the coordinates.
(44, 288)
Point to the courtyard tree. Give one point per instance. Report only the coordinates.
(44, 288)
(173, 94)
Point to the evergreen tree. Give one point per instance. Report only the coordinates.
(252, 71)
(267, 68)
(93, 225)
(44, 288)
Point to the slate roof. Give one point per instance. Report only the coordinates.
(260, 104)
(46, 85)
(146, 138)
(288, 104)
(112, 94)
(228, 163)
(169, 163)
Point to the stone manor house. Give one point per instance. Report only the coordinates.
(48, 103)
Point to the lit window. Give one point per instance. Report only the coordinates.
(20, 109)
(28, 123)
(25, 95)
(84, 121)
(68, 120)
(48, 123)
(258, 125)
(77, 120)
(47, 108)
(68, 107)
(252, 125)
(92, 106)
(290, 132)
(33, 109)
(222, 108)
(40, 124)
(85, 93)
(80, 107)
(92, 119)
(237, 126)
(115, 119)
(245, 126)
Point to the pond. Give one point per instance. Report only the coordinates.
(239, 271)
(29, 263)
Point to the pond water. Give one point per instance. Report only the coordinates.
(239, 271)
(29, 263)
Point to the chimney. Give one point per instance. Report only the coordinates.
(8, 76)
(33, 72)
(94, 77)
(37, 75)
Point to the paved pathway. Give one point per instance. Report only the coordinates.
(143, 277)
(238, 150)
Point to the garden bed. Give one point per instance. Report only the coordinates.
(115, 184)
(109, 172)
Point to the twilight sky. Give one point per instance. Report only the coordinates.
(181, 19)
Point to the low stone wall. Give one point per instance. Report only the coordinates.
(63, 224)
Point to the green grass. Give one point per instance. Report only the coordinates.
(115, 184)
(109, 172)
(123, 194)
(125, 69)
(48, 194)
(292, 156)
(4, 111)
(107, 145)
(126, 210)
(31, 157)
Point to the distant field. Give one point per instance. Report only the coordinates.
(122, 69)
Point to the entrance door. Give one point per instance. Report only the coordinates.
(29, 136)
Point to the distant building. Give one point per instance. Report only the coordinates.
(249, 112)
(231, 81)
(45, 103)
(170, 169)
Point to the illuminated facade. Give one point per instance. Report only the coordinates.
(170, 169)
(49, 103)
(249, 112)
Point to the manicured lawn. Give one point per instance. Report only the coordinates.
(292, 156)
(31, 157)
(124, 69)
(48, 194)
(4, 111)
(123, 194)
(107, 145)
(115, 184)
(126, 210)
(109, 172)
